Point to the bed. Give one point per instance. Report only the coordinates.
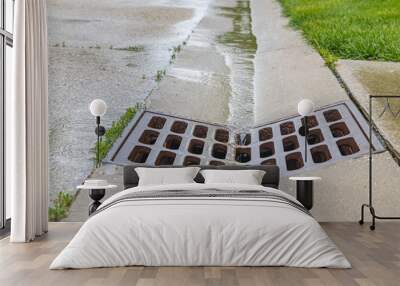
(198, 224)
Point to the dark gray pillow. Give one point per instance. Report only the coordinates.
(270, 179)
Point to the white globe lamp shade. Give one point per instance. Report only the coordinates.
(98, 107)
(305, 107)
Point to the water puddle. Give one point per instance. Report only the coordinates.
(239, 47)
(191, 75)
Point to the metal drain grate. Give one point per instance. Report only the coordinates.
(336, 132)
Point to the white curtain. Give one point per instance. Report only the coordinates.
(27, 124)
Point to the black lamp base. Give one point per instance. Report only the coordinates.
(305, 193)
(96, 195)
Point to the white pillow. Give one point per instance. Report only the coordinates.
(166, 176)
(247, 177)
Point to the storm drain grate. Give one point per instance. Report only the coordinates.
(337, 132)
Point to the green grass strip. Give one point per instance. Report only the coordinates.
(115, 131)
(348, 29)
(61, 205)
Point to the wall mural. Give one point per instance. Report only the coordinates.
(178, 81)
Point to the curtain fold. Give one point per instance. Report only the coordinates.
(27, 158)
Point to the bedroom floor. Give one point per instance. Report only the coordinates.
(375, 257)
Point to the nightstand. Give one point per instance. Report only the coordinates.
(97, 190)
(304, 190)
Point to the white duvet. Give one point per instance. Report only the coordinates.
(200, 231)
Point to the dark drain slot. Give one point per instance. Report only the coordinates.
(339, 129)
(243, 155)
(222, 135)
(290, 143)
(196, 146)
(347, 146)
(320, 154)
(311, 121)
(287, 128)
(315, 136)
(149, 137)
(191, 160)
(269, 162)
(219, 151)
(294, 161)
(267, 149)
(200, 131)
(332, 115)
(173, 142)
(165, 158)
(157, 122)
(265, 134)
(139, 154)
(179, 127)
(216, 163)
(243, 139)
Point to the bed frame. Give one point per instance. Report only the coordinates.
(271, 177)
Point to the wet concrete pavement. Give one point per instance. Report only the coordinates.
(212, 77)
(376, 78)
(110, 50)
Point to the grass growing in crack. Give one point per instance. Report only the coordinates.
(115, 131)
(348, 29)
(57, 45)
(135, 49)
(159, 75)
(177, 49)
(61, 205)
